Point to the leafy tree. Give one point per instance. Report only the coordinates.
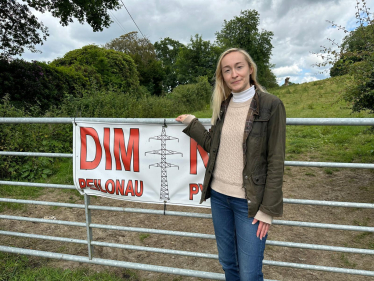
(199, 58)
(167, 51)
(107, 68)
(355, 56)
(21, 29)
(356, 46)
(242, 32)
(143, 53)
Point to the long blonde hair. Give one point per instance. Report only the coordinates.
(221, 91)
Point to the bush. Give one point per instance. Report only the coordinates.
(192, 97)
(138, 103)
(361, 91)
(105, 68)
(35, 83)
(30, 138)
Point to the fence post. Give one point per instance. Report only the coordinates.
(88, 225)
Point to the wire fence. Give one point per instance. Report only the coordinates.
(170, 270)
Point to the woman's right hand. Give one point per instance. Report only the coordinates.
(180, 118)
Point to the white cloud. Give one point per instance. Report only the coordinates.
(287, 70)
(299, 27)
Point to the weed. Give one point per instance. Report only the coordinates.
(361, 223)
(143, 236)
(310, 174)
(346, 261)
(328, 171)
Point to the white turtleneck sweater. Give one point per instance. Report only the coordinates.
(244, 96)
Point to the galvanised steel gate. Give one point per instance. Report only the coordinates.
(178, 271)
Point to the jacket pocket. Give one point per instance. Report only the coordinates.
(260, 125)
(259, 179)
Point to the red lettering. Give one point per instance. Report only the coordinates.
(132, 149)
(89, 182)
(82, 183)
(108, 156)
(194, 189)
(89, 165)
(94, 187)
(129, 188)
(120, 187)
(111, 191)
(194, 147)
(140, 192)
(97, 183)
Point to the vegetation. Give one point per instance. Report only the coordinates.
(322, 99)
(242, 32)
(30, 84)
(15, 267)
(355, 56)
(105, 68)
(21, 29)
(142, 51)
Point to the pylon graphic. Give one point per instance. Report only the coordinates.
(164, 192)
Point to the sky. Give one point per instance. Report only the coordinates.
(300, 28)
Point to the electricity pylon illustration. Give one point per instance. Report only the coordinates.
(164, 192)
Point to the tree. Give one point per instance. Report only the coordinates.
(142, 51)
(199, 58)
(242, 32)
(356, 46)
(20, 29)
(355, 56)
(167, 51)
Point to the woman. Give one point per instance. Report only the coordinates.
(244, 174)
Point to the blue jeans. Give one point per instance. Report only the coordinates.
(240, 251)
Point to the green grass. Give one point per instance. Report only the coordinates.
(15, 267)
(322, 99)
(143, 236)
(64, 175)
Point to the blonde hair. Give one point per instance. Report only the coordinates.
(221, 91)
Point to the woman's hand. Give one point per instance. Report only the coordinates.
(262, 229)
(180, 118)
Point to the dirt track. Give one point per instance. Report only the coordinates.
(302, 183)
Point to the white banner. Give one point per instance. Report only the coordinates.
(138, 162)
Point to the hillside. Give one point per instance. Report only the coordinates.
(322, 99)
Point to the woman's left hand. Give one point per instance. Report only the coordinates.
(262, 229)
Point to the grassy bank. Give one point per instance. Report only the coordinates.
(322, 99)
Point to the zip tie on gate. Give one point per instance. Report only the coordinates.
(165, 126)
(164, 207)
(75, 122)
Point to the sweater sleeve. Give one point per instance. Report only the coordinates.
(261, 216)
(188, 119)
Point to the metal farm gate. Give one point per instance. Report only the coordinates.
(90, 258)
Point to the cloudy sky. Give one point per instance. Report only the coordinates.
(300, 27)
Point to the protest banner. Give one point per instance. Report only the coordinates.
(148, 163)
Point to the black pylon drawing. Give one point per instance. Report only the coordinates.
(164, 192)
